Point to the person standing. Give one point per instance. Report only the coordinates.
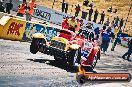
(21, 9)
(121, 23)
(107, 23)
(85, 3)
(8, 6)
(65, 24)
(30, 9)
(2, 7)
(91, 4)
(95, 15)
(116, 21)
(106, 39)
(102, 17)
(116, 40)
(77, 10)
(129, 52)
(90, 14)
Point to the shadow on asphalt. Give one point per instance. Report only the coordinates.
(59, 64)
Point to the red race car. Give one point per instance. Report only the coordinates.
(72, 48)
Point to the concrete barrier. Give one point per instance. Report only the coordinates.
(32, 27)
(3, 21)
(16, 28)
(12, 28)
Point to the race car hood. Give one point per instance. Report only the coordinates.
(60, 39)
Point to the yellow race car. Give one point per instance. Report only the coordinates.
(64, 46)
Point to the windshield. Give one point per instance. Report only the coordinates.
(65, 34)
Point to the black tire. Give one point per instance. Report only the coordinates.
(94, 62)
(81, 79)
(75, 56)
(34, 46)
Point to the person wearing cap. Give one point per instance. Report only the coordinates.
(65, 24)
(72, 24)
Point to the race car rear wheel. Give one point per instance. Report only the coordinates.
(98, 55)
(75, 56)
(94, 62)
(34, 46)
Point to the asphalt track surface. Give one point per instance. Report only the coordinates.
(20, 68)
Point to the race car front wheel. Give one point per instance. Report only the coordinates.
(34, 46)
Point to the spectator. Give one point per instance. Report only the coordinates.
(107, 22)
(129, 52)
(77, 10)
(117, 40)
(90, 14)
(116, 20)
(30, 10)
(110, 9)
(106, 39)
(2, 7)
(121, 23)
(115, 11)
(91, 4)
(66, 7)
(72, 24)
(84, 15)
(95, 15)
(81, 23)
(65, 23)
(63, 6)
(91, 36)
(97, 31)
(21, 9)
(85, 3)
(8, 6)
(112, 24)
(104, 27)
(89, 25)
(102, 17)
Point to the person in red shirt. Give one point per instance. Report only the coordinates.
(65, 24)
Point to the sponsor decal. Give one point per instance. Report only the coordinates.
(14, 28)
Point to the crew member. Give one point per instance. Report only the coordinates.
(21, 9)
(30, 9)
(65, 24)
(72, 24)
